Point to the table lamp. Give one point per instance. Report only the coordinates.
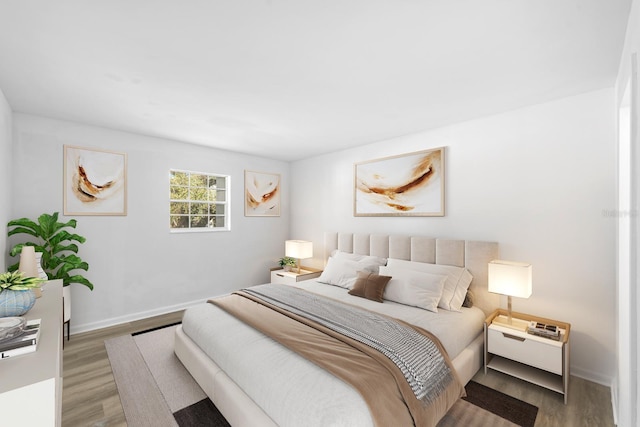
(298, 249)
(513, 279)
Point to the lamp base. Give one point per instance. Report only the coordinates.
(517, 324)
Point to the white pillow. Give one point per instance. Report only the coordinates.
(413, 288)
(455, 287)
(343, 273)
(366, 259)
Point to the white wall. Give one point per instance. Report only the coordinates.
(137, 266)
(538, 180)
(626, 387)
(6, 120)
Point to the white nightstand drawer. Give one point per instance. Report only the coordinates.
(541, 353)
(289, 277)
(282, 278)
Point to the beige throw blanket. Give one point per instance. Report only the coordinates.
(382, 385)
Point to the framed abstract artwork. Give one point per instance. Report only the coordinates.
(95, 182)
(405, 185)
(261, 194)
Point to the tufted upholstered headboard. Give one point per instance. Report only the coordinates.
(473, 255)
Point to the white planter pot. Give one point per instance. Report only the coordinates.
(66, 294)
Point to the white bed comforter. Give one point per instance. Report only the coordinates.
(292, 390)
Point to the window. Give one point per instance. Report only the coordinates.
(198, 201)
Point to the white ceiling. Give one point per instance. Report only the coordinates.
(291, 79)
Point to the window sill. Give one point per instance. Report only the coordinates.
(198, 230)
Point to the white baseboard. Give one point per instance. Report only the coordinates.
(614, 399)
(86, 327)
(592, 376)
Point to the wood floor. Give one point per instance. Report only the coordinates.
(89, 393)
(90, 397)
(589, 404)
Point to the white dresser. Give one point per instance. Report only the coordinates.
(31, 384)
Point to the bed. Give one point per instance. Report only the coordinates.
(256, 381)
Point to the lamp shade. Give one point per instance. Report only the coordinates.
(300, 249)
(510, 278)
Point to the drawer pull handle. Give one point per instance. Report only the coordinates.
(513, 337)
(279, 275)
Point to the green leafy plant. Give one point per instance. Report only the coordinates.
(287, 261)
(57, 245)
(16, 281)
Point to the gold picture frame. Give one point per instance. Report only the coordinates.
(261, 193)
(409, 184)
(95, 181)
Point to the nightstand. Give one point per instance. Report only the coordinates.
(280, 276)
(539, 360)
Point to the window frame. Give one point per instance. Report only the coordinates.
(226, 202)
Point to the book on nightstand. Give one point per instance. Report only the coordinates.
(545, 330)
(27, 342)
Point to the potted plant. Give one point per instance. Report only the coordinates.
(59, 250)
(16, 295)
(55, 243)
(287, 263)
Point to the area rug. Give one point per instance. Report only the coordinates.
(156, 390)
